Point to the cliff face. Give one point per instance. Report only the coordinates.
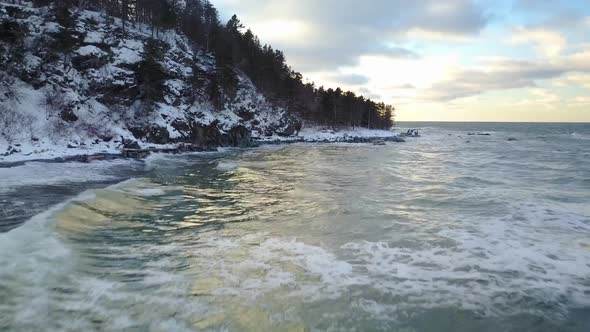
(79, 82)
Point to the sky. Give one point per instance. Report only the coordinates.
(452, 60)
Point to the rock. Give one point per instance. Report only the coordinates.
(106, 138)
(152, 134)
(246, 114)
(240, 136)
(95, 157)
(94, 59)
(289, 126)
(68, 115)
(204, 135)
(379, 142)
(159, 135)
(10, 151)
(130, 144)
(397, 139)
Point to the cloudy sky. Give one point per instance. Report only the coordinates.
(452, 60)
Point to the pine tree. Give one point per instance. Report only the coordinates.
(150, 75)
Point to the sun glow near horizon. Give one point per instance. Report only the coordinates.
(278, 30)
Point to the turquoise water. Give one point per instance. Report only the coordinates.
(446, 232)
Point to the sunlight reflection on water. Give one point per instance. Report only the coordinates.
(414, 237)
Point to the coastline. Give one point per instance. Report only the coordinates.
(60, 154)
(79, 161)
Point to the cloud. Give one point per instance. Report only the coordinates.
(552, 7)
(546, 42)
(349, 79)
(574, 80)
(435, 55)
(367, 93)
(580, 101)
(335, 33)
(406, 86)
(503, 73)
(490, 75)
(538, 98)
(393, 52)
(438, 36)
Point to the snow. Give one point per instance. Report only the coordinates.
(126, 55)
(52, 27)
(90, 50)
(32, 130)
(94, 37)
(321, 134)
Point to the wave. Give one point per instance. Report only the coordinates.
(527, 262)
(225, 166)
(32, 256)
(60, 261)
(39, 173)
(580, 136)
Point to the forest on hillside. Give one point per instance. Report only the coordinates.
(234, 47)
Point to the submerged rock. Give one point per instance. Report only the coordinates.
(397, 139)
(379, 142)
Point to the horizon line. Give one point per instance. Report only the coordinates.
(529, 122)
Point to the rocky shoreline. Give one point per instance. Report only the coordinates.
(132, 149)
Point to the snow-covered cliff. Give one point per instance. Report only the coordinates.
(89, 99)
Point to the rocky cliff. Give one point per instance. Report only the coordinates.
(80, 83)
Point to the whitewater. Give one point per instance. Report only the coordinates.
(469, 227)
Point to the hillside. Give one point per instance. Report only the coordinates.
(78, 81)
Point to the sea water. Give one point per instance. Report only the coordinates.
(452, 231)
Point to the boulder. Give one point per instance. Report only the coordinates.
(289, 126)
(210, 136)
(68, 115)
(240, 136)
(130, 144)
(205, 135)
